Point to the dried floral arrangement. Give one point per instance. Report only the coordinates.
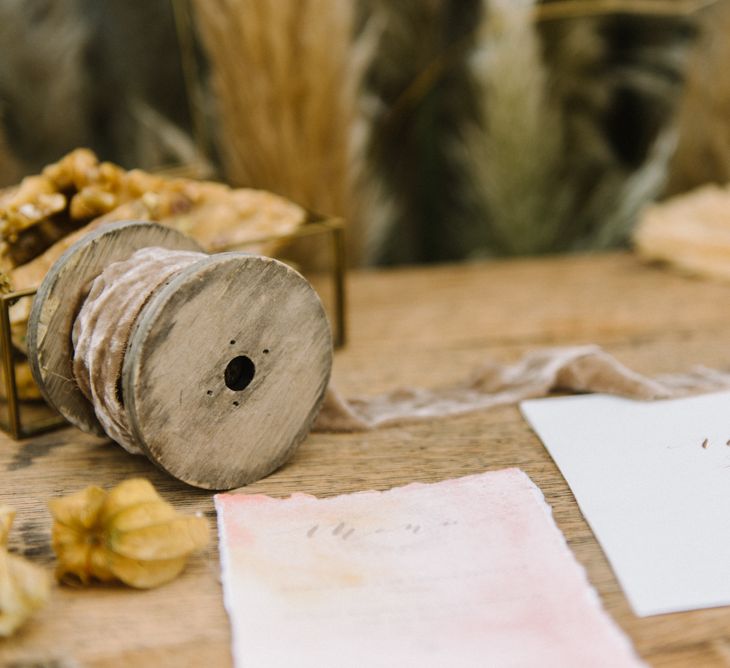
(11, 170)
(703, 131)
(65, 48)
(480, 128)
(79, 193)
(46, 213)
(440, 130)
(285, 78)
(285, 82)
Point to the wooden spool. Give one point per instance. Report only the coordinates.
(226, 366)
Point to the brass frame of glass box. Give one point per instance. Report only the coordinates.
(331, 231)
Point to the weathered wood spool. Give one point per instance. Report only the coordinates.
(225, 367)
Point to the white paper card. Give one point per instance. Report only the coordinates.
(653, 481)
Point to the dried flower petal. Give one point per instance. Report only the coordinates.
(168, 540)
(143, 515)
(79, 511)
(129, 493)
(147, 574)
(24, 587)
(128, 534)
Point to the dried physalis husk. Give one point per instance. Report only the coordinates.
(24, 587)
(128, 534)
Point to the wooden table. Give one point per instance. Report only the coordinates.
(408, 326)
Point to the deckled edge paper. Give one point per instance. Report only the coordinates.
(470, 572)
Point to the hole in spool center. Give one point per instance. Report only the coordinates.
(239, 373)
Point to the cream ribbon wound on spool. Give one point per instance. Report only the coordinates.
(102, 327)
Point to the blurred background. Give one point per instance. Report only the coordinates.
(440, 130)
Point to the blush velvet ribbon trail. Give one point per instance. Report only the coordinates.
(537, 374)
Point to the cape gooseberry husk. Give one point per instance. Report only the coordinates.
(128, 534)
(24, 587)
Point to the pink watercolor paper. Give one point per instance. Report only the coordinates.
(466, 572)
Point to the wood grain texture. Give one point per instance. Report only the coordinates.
(190, 411)
(423, 327)
(59, 298)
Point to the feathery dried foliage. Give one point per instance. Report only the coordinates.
(80, 73)
(285, 77)
(44, 86)
(11, 170)
(575, 128)
(551, 10)
(703, 152)
(417, 96)
(516, 146)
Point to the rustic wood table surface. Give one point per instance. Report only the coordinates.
(408, 326)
